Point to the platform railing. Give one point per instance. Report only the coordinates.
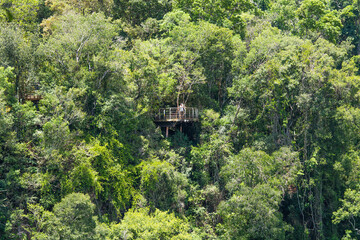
(174, 114)
(33, 97)
(32, 93)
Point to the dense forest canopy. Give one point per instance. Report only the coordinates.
(274, 155)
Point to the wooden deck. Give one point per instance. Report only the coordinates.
(34, 97)
(173, 114)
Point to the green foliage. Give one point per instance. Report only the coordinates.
(310, 13)
(137, 12)
(140, 224)
(349, 211)
(3, 209)
(177, 66)
(72, 218)
(163, 186)
(81, 7)
(256, 182)
(21, 12)
(78, 47)
(16, 51)
(74, 215)
(7, 84)
(250, 168)
(224, 13)
(274, 155)
(284, 14)
(6, 121)
(252, 213)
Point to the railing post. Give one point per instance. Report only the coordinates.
(173, 113)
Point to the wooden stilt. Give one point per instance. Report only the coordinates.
(181, 127)
(167, 132)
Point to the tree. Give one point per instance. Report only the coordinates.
(297, 80)
(257, 183)
(23, 13)
(283, 15)
(223, 13)
(162, 186)
(252, 213)
(17, 52)
(313, 16)
(136, 12)
(76, 50)
(7, 85)
(72, 218)
(6, 136)
(83, 7)
(140, 224)
(349, 212)
(349, 12)
(190, 64)
(211, 155)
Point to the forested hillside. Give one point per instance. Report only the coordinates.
(275, 153)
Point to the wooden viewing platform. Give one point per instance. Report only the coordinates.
(173, 114)
(170, 117)
(34, 97)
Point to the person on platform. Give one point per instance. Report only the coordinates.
(182, 110)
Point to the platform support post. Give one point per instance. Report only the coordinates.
(167, 132)
(180, 127)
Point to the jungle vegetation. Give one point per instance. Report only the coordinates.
(275, 154)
